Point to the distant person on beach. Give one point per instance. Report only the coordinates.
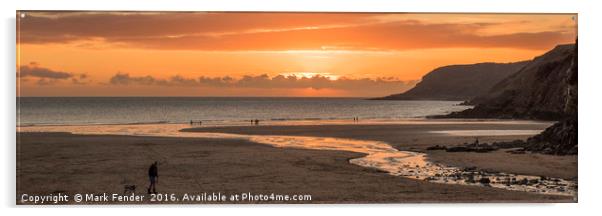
(256, 121)
(153, 176)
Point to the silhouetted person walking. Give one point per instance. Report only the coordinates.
(153, 176)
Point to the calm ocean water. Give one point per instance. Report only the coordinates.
(134, 110)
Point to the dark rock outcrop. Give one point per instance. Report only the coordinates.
(458, 82)
(559, 139)
(479, 147)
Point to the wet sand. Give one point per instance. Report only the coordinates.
(418, 137)
(61, 162)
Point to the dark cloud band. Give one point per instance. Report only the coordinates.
(33, 70)
(265, 81)
(46, 76)
(271, 31)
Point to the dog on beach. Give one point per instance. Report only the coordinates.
(127, 189)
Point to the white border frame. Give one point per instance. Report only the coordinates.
(589, 117)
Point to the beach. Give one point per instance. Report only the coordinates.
(418, 137)
(75, 163)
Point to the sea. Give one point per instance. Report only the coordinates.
(33, 111)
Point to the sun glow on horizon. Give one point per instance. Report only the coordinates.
(309, 75)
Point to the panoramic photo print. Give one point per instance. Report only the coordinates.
(124, 107)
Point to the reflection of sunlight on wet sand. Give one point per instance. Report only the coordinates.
(324, 143)
(379, 155)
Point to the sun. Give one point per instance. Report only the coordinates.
(309, 75)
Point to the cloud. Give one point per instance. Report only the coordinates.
(266, 82)
(42, 27)
(126, 79)
(82, 79)
(46, 76)
(33, 70)
(281, 31)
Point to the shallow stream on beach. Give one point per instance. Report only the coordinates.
(379, 155)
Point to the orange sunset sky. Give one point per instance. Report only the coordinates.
(264, 54)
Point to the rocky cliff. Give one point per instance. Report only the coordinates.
(458, 82)
(546, 89)
(561, 138)
(540, 90)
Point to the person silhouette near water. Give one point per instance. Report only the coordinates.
(153, 176)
